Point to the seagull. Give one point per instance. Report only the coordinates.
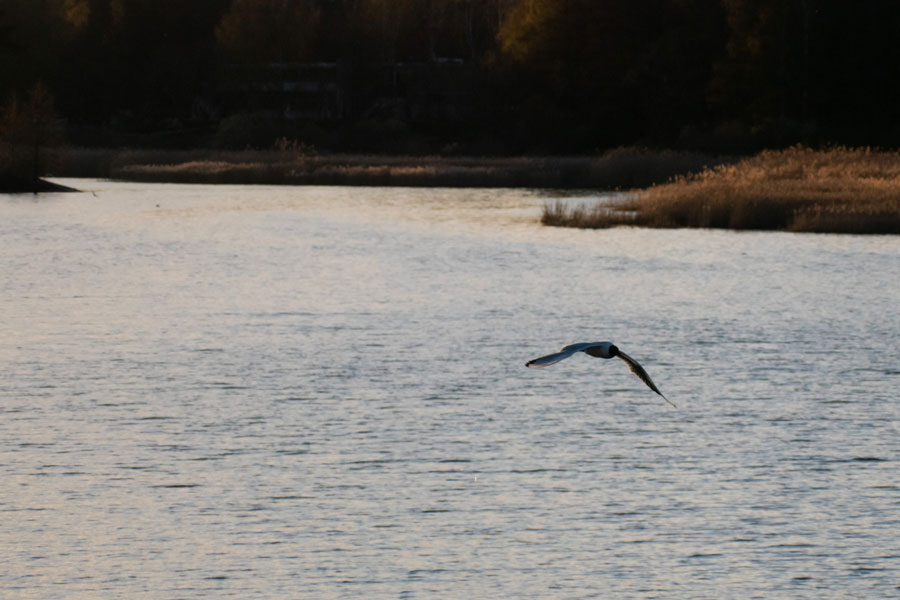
(598, 350)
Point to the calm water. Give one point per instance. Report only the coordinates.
(263, 392)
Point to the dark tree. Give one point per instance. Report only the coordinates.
(29, 131)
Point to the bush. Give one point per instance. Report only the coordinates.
(249, 130)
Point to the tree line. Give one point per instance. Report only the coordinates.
(545, 75)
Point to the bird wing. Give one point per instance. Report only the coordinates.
(581, 346)
(638, 370)
(551, 359)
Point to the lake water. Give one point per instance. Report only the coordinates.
(274, 392)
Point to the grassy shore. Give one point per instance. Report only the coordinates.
(617, 169)
(841, 190)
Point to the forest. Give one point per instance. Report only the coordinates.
(499, 77)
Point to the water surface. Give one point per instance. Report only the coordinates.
(274, 392)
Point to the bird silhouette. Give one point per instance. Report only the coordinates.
(597, 350)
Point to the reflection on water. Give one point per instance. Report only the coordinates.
(264, 392)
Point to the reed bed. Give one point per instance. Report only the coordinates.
(839, 190)
(620, 168)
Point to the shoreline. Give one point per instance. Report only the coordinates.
(41, 186)
(839, 190)
(623, 168)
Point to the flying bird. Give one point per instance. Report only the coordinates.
(598, 350)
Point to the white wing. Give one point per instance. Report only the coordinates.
(551, 359)
(566, 352)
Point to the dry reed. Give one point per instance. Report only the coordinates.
(839, 190)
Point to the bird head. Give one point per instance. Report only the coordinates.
(602, 350)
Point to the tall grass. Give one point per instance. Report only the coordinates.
(621, 168)
(839, 190)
